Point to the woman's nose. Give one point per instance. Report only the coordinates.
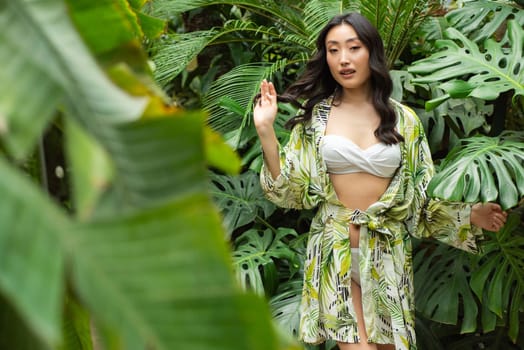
(344, 57)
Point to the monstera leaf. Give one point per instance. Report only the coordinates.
(441, 283)
(483, 169)
(494, 70)
(498, 280)
(479, 20)
(240, 199)
(285, 306)
(254, 258)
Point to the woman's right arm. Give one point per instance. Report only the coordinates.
(286, 175)
(264, 114)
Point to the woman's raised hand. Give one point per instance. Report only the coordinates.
(265, 109)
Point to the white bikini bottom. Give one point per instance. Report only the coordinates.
(355, 268)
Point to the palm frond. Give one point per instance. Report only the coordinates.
(241, 84)
(396, 22)
(173, 53)
(168, 8)
(318, 12)
(288, 16)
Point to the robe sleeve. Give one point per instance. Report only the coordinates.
(448, 222)
(297, 186)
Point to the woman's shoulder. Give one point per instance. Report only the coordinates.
(407, 116)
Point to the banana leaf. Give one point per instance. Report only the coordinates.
(146, 254)
(39, 47)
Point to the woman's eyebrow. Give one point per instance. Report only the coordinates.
(347, 40)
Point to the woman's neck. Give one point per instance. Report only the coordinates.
(356, 96)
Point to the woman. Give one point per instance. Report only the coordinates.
(363, 160)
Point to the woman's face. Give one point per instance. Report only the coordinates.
(347, 58)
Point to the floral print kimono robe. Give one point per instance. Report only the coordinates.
(385, 227)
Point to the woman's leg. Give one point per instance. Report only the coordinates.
(356, 295)
(363, 345)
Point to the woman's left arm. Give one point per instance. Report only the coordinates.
(457, 224)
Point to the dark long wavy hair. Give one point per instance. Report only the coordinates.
(317, 83)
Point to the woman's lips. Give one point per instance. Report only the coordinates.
(347, 72)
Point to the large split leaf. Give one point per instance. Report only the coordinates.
(499, 278)
(285, 306)
(442, 286)
(490, 72)
(254, 258)
(458, 118)
(480, 20)
(240, 199)
(483, 169)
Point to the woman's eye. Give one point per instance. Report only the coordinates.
(354, 48)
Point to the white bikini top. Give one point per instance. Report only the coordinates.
(342, 156)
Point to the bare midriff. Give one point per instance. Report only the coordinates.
(358, 191)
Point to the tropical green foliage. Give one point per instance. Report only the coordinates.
(494, 71)
(484, 169)
(139, 251)
(267, 39)
(281, 36)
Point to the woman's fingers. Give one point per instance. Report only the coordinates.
(498, 217)
(272, 92)
(268, 94)
(488, 216)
